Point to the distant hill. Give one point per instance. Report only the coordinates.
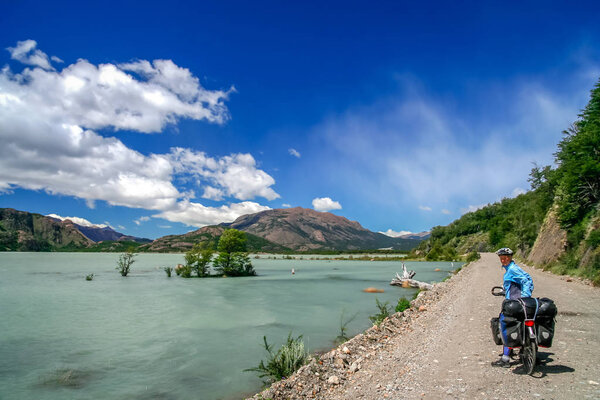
(273, 231)
(209, 235)
(302, 229)
(100, 233)
(23, 231)
(418, 236)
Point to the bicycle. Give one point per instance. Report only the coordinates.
(528, 344)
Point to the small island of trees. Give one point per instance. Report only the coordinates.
(232, 258)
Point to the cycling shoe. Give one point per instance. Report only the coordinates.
(501, 363)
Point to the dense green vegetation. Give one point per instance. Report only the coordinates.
(232, 258)
(198, 259)
(572, 188)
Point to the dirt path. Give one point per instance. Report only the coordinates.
(445, 351)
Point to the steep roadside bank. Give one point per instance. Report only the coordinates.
(445, 350)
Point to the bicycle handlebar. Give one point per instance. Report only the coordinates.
(498, 291)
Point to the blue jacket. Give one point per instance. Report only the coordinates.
(517, 283)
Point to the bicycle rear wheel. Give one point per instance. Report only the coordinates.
(529, 354)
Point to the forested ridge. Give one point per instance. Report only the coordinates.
(569, 192)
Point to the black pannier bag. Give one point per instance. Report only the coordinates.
(496, 334)
(545, 331)
(513, 309)
(531, 306)
(547, 308)
(545, 322)
(513, 332)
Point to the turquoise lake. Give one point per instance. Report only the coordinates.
(147, 336)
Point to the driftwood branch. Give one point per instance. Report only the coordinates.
(411, 283)
(406, 280)
(406, 274)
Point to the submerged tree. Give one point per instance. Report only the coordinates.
(198, 259)
(233, 259)
(125, 261)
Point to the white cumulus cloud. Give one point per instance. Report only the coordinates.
(198, 215)
(393, 233)
(78, 221)
(141, 219)
(25, 51)
(234, 176)
(425, 208)
(325, 204)
(48, 123)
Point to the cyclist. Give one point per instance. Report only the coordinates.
(517, 283)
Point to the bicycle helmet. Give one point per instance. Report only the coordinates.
(505, 251)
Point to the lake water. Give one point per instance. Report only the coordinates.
(147, 336)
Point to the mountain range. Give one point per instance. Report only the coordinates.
(277, 230)
(24, 231)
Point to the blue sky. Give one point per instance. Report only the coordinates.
(158, 118)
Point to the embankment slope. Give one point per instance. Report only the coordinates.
(445, 350)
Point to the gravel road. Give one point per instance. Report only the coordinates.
(444, 350)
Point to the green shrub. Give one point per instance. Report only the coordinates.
(403, 304)
(593, 239)
(185, 271)
(384, 312)
(125, 261)
(233, 259)
(89, 277)
(198, 259)
(234, 264)
(343, 336)
(473, 256)
(168, 270)
(281, 364)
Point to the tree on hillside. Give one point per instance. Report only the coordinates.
(233, 259)
(578, 157)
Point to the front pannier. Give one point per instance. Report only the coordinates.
(513, 332)
(496, 334)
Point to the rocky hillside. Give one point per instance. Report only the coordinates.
(208, 235)
(273, 231)
(23, 231)
(302, 229)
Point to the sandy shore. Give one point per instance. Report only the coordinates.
(442, 347)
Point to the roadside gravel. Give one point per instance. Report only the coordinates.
(442, 348)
